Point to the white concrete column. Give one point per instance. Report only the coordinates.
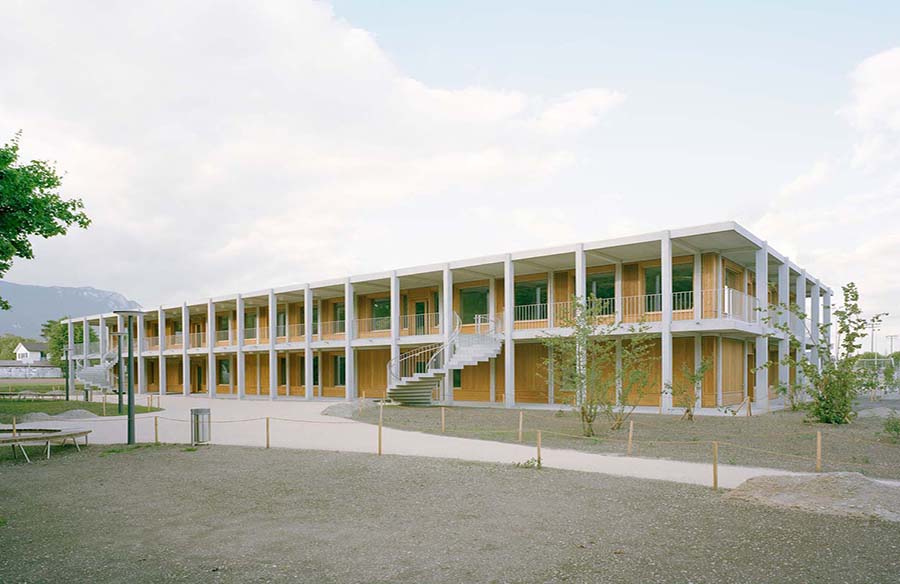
(784, 299)
(619, 301)
(580, 273)
(826, 320)
(395, 324)
(210, 344)
(666, 322)
(139, 354)
(761, 390)
(801, 324)
(241, 379)
(449, 323)
(185, 344)
(509, 378)
(307, 342)
(349, 361)
(698, 288)
(319, 323)
(161, 333)
(492, 299)
(103, 338)
(70, 355)
(815, 321)
(273, 356)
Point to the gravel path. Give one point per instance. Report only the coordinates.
(300, 424)
(231, 514)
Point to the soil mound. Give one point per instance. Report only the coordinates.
(847, 494)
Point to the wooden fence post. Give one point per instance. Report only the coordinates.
(14, 428)
(156, 429)
(539, 449)
(149, 402)
(819, 451)
(267, 432)
(443, 420)
(630, 435)
(521, 413)
(380, 422)
(715, 466)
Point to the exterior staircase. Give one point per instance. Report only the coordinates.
(416, 375)
(98, 376)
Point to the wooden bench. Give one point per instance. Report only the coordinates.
(41, 437)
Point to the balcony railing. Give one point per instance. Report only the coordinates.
(223, 336)
(151, 343)
(295, 332)
(94, 348)
(250, 335)
(379, 326)
(428, 323)
(333, 329)
(197, 340)
(174, 341)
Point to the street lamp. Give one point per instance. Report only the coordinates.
(120, 338)
(130, 314)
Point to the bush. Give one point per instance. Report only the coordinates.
(892, 428)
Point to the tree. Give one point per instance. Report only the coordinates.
(584, 361)
(8, 344)
(834, 384)
(30, 206)
(685, 390)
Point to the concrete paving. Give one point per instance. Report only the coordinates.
(301, 425)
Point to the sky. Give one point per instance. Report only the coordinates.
(228, 146)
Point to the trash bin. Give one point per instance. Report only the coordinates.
(200, 423)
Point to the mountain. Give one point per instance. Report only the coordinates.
(32, 306)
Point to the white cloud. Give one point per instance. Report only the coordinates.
(875, 108)
(241, 145)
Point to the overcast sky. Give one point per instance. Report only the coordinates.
(224, 146)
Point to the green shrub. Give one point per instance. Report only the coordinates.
(892, 428)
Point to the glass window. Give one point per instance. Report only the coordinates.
(437, 308)
(250, 325)
(731, 279)
(280, 323)
(315, 322)
(404, 309)
(474, 301)
(531, 293)
(601, 285)
(653, 289)
(338, 312)
(340, 370)
(682, 286)
(176, 326)
(302, 370)
(282, 371)
(315, 371)
(381, 314)
(457, 378)
(224, 372)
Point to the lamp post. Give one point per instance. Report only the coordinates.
(120, 338)
(130, 314)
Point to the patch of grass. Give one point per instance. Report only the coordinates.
(20, 407)
(530, 463)
(2, 521)
(37, 386)
(189, 449)
(127, 448)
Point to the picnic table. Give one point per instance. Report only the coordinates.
(23, 437)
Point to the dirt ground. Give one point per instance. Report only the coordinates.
(778, 440)
(231, 514)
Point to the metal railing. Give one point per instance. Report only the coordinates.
(172, 340)
(295, 331)
(333, 328)
(94, 347)
(683, 305)
(250, 334)
(423, 359)
(530, 312)
(428, 323)
(151, 343)
(223, 336)
(197, 340)
(379, 326)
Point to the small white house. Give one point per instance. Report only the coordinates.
(31, 352)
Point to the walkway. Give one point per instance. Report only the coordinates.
(301, 425)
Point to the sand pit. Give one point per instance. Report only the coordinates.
(846, 494)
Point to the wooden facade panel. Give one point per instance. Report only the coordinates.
(682, 358)
(649, 395)
(371, 369)
(708, 351)
(475, 383)
(709, 282)
(732, 371)
(531, 373)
